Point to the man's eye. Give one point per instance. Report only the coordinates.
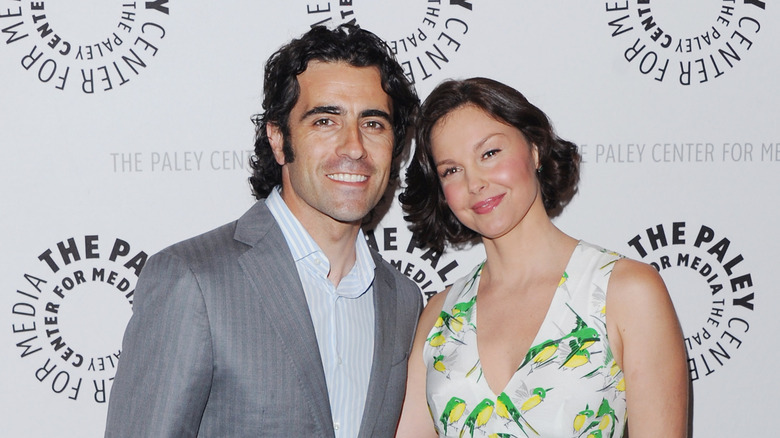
(375, 124)
(322, 122)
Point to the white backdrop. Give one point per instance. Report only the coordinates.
(125, 128)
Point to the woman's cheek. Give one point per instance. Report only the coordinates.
(450, 194)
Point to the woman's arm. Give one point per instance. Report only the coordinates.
(416, 419)
(648, 345)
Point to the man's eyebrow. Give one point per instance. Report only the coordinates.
(327, 109)
(333, 109)
(376, 113)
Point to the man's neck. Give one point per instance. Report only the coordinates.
(337, 241)
(338, 244)
(335, 238)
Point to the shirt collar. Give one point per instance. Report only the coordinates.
(298, 239)
(302, 245)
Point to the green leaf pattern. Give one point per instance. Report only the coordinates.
(568, 384)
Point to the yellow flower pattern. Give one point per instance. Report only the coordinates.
(568, 384)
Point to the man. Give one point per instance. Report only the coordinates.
(285, 323)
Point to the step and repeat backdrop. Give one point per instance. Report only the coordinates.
(125, 127)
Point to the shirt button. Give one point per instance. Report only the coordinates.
(336, 425)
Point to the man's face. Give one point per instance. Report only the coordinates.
(341, 135)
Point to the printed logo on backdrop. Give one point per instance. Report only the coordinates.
(427, 268)
(685, 43)
(423, 35)
(692, 152)
(181, 161)
(89, 45)
(711, 286)
(70, 312)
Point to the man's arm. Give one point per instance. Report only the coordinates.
(164, 373)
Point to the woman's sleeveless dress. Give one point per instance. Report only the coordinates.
(568, 385)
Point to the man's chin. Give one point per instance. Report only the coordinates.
(349, 218)
(353, 214)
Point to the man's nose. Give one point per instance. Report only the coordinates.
(352, 143)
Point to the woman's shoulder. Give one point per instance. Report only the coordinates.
(598, 250)
(630, 281)
(636, 289)
(436, 302)
(635, 276)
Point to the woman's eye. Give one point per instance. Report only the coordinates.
(490, 153)
(447, 172)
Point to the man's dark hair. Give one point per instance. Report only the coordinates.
(347, 43)
(432, 221)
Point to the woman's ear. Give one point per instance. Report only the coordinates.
(535, 154)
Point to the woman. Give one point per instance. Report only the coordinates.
(565, 335)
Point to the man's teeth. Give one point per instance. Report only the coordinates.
(347, 177)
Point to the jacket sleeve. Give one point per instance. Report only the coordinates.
(164, 373)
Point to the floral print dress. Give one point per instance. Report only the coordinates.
(568, 385)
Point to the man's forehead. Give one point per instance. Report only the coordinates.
(342, 82)
(316, 67)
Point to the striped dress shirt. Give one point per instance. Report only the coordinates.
(343, 317)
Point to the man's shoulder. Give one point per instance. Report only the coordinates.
(234, 236)
(206, 245)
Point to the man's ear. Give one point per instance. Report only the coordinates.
(276, 139)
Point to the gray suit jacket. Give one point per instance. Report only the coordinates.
(221, 343)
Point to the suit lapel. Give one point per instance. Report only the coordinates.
(270, 268)
(384, 345)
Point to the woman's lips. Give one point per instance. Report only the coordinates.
(488, 204)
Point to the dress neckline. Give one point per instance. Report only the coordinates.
(546, 321)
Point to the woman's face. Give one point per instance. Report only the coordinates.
(487, 171)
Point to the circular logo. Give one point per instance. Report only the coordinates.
(86, 45)
(687, 43)
(70, 312)
(424, 36)
(710, 284)
(431, 270)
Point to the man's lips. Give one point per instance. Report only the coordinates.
(487, 205)
(347, 177)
